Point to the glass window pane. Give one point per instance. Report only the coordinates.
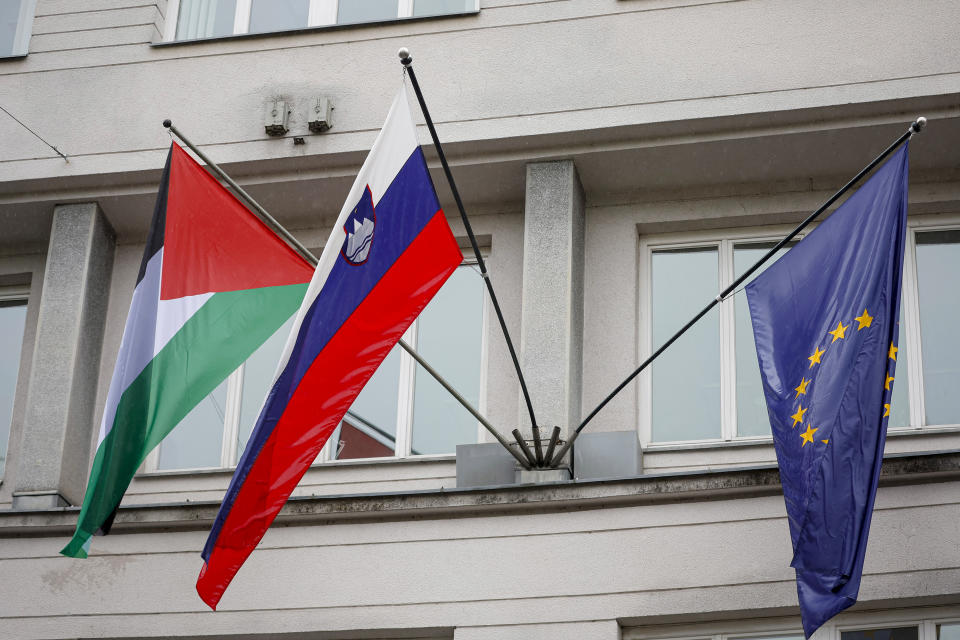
(258, 372)
(449, 333)
(686, 377)
(785, 636)
(9, 15)
(948, 631)
(898, 633)
(205, 18)
(350, 11)
(13, 316)
(938, 262)
(196, 442)
(752, 418)
(441, 7)
(278, 15)
(369, 430)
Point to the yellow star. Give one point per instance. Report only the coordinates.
(886, 410)
(802, 389)
(893, 352)
(838, 332)
(808, 435)
(798, 416)
(825, 441)
(864, 320)
(815, 358)
(886, 384)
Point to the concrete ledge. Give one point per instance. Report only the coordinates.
(697, 486)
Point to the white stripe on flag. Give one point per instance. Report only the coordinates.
(136, 346)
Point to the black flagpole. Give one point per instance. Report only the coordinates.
(915, 127)
(279, 229)
(407, 61)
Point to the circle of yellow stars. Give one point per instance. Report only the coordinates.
(863, 321)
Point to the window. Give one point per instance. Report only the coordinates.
(13, 315)
(194, 19)
(872, 625)
(16, 20)
(401, 411)
(706, 386)
(896, 633)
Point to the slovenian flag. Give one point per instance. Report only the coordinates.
(214, 284)
(390, 251)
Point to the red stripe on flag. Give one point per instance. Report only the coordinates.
(325, 393)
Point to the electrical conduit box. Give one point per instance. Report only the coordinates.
(275, 117)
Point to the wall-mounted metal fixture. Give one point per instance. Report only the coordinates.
(299, 140)
(321, 115)
(275, 118)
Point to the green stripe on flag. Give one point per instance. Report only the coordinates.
(217, 339)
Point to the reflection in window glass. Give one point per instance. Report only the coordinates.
(798, 636)
(752, 418)
(441, 7)
(898, 633)
(196, 442)
(258, 372)
(350, 11)
(938, 253)
(686, 377)
(948, 631)
(278, 15)
(13, 316)
(205, 18)
(449, 335)
(372, 419)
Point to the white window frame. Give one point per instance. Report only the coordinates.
(724, 240)
(910, 301)
(21, 37)
(926, 622)
(322, 13)
(404, 428)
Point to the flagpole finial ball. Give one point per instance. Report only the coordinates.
(404, 55)
(919, 124)
(167, 124)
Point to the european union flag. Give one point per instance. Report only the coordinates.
(825, 318)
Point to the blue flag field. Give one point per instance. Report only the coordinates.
(825, 319)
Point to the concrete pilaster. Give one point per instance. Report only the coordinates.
(552, 324)
(54, 455)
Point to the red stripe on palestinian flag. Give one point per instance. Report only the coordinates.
(313, 412)
(201, 307)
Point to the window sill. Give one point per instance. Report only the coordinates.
(697, 486)
(338, 464)
(310, 30)
(20, 56)
(904, 432)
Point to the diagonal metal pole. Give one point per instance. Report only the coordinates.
(915, 127)
(407, 61)
(279, 229)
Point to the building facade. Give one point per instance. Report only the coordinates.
(621, 161)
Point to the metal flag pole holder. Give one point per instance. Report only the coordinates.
(279, 229)
(915, 127)
(536, 458)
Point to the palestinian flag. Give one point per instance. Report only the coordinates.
(214, 284)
